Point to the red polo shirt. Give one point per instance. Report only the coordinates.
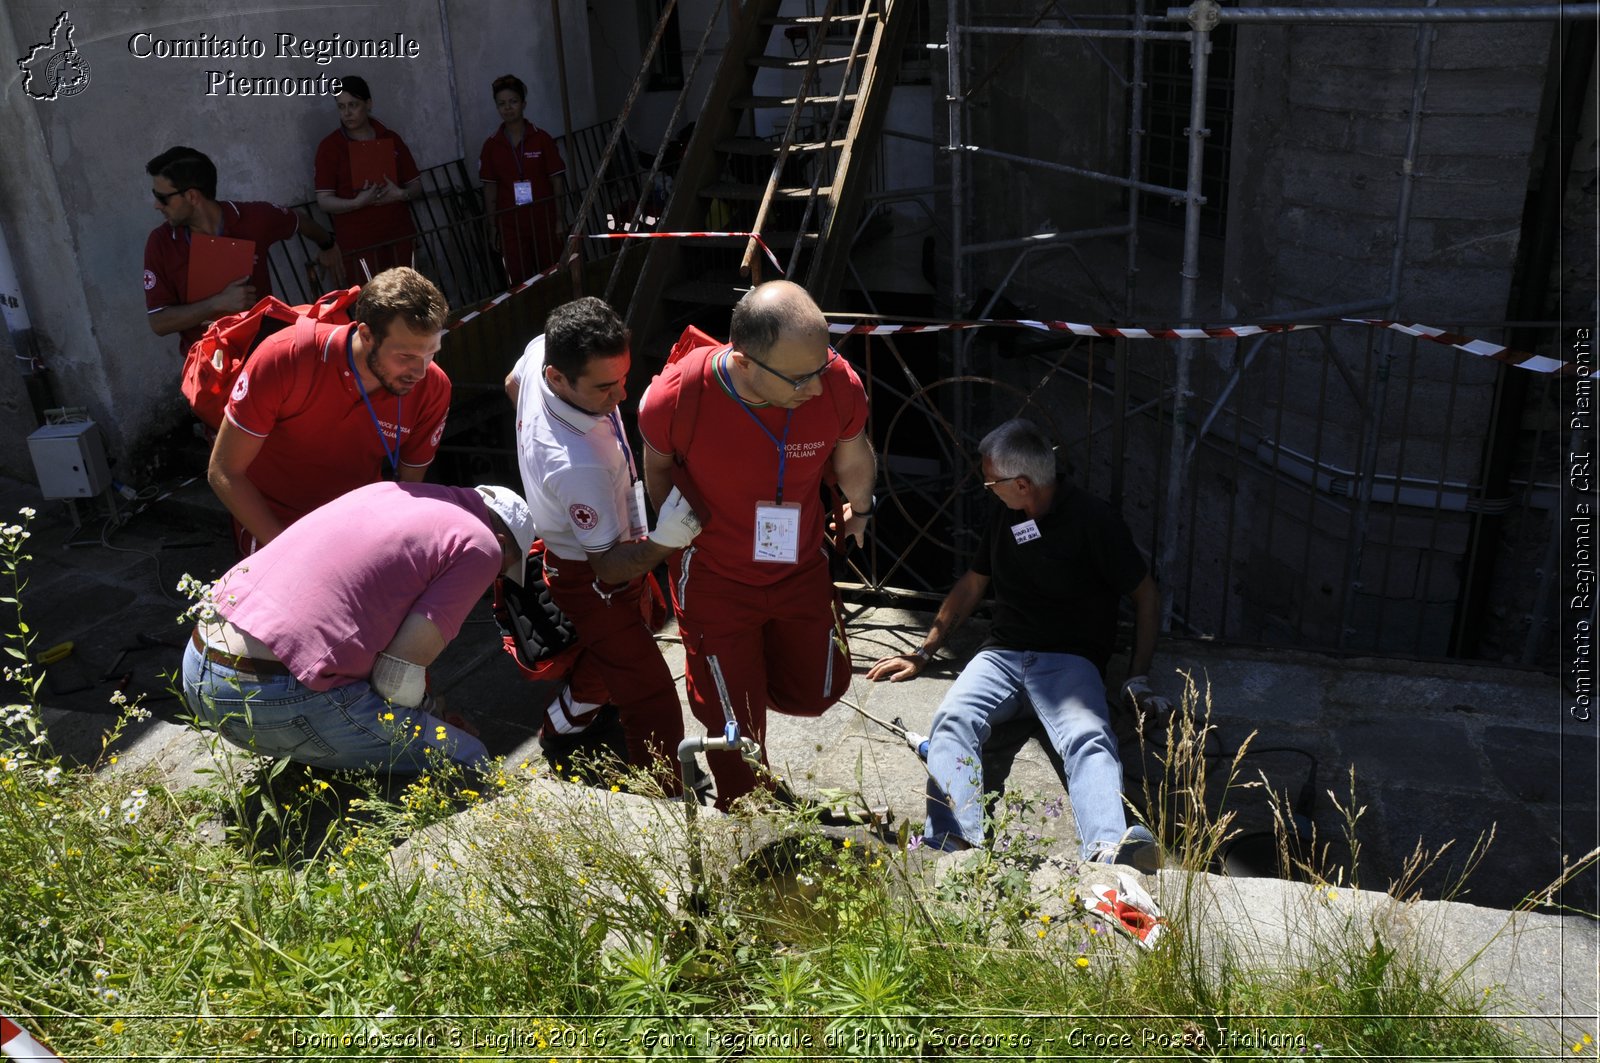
(320, 439)
(380, 222)
(166, 255)
(536, 160)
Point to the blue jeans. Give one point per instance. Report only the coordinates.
(346, 727)
(1069, 698)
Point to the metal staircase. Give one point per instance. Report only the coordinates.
(782, 148)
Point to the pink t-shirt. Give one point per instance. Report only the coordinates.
(331, 592)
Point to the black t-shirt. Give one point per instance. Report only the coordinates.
(1059, 593)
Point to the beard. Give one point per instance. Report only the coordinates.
(393, 384)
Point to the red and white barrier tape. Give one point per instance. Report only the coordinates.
(693, 236)
(1536, 363)
(484, 307)
(17, 1043)
(1228, 332)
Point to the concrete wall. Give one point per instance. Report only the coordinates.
(1319, 133)
(74, 198)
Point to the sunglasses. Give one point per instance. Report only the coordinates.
(798, 382)
(162, 197)
(990, 484)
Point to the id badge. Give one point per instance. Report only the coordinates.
(522, 192)
(636, 524)
(777, 532)
(1026, 532)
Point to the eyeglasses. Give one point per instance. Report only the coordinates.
(797, 382)
(162, 197)
(990, 484)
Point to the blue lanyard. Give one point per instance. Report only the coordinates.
(399, 406)
(781, 444)
(516, 149)
(615, 420)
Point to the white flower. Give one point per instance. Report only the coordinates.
(52, 775)
(101, 974)
(28, 512)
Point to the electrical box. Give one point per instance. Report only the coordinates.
(70, 460)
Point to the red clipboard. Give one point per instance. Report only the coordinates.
(371, 162)
(216, 262)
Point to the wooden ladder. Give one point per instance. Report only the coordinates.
(801, 188)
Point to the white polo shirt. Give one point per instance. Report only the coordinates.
(578, 471)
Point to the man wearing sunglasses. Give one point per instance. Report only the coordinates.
(1059, 562)
(184, 184)
(775, 408)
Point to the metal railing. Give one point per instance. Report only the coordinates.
(1288, 536)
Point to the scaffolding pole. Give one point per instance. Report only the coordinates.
(1480, 13)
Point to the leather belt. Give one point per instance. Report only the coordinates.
(238, 664)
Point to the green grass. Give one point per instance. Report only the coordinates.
(334, 919)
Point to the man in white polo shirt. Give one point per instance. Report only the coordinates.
(587, 498)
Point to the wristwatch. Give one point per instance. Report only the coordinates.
(923, 654)
(869, 511)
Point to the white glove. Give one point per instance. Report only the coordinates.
(1137, 695)
(398, 681)
(676, 524)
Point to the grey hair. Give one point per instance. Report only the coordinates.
(1019, 448)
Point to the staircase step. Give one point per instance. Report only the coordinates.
(814, 20)
(710, 290)
(753, 193)
(769, 148)
(779, 62)
(788, 102)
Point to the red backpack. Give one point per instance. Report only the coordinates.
(215, 360)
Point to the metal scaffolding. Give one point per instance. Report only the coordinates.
(1201, 19)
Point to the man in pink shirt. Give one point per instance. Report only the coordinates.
(316, 647)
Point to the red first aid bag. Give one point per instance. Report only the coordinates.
(216, 358)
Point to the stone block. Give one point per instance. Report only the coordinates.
(1387, 738)
(1542, 765)
(1489, 48)
(1490, 134)
(1357, 185)
(1413, 819)
(1506, 90)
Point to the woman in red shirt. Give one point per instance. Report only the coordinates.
(365, 177)
(524, 186)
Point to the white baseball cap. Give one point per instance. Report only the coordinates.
(510, 507)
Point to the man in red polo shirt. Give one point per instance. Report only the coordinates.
(753, 592)
(184, 182)
(305, 426)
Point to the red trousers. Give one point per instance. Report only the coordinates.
(618, 662)
(779, 646)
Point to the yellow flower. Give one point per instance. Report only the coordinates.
(386, 717)
(616, 789)
(1040, 932)
(116, 1026)
(1045, 919)
(439, 733)
(1082, 961)
(847, 843)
